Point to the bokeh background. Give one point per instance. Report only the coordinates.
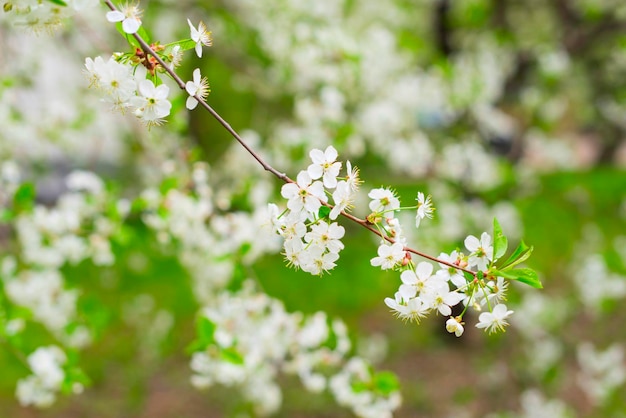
(507, 109)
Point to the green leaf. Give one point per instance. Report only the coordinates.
(386, 383)
(205, 329)
(73, 375)
(24, 197)
(59, 2)
(323, 212)
(245, 248)
(231, 355)
(130, 38)
(359, 386)
(184, 45)
(468, 276)
(479, 275)
(524, 275)
(168, 184)
(6, 215)
(195, 346)
(500, 243)
(521, 254)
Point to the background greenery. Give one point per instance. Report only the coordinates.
(560, 209)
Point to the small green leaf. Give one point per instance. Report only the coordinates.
(184, 45)
(358, 386)
(205, 330)
(132, 41)
(479, 275)
(386, 383)
(129, 38)
(24, 197)
(524, 275)
(167, 184)
(195, 346)
(59, 2)
(6, 215)
(245, 248)
(231, 355)
(500, 243)
(323, 212)
(468, 276)
(521, 254)
(73, 376)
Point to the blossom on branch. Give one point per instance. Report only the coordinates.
(481, 250)
(305, 194)
(425, 208)
(325, 166)
(151, 104)
(129, 15)
(495, 320)
(389, 256)
(198, 87)
(201, 36)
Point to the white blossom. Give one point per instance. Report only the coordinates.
(129, 15)
(325, 166)
(201, 36)
(198, 87)
(495, 320)
(389, 256)
(151, 104)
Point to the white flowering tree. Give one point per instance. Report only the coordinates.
(138, 225)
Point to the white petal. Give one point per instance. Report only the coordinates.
(197, 76)
(317, 156)
(146, 88)
(131, 25)
(424, 270)
(408, 277)
(472, 243)
(191, 103)
(161, 92)
(115, 16)
(191, 88)
(330, 154)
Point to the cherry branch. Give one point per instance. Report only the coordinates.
(267, 167)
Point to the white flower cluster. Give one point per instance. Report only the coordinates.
(596, 283)
(209, 241)
(312, 240)
(126, 87)
(534, 404)
(72, 230)
(44, 15)
(371, 87)
(40, 388)
(253, 339)
(347, 386)
(602, 372)
(124, 82)
(44, 294)
(423, 291)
